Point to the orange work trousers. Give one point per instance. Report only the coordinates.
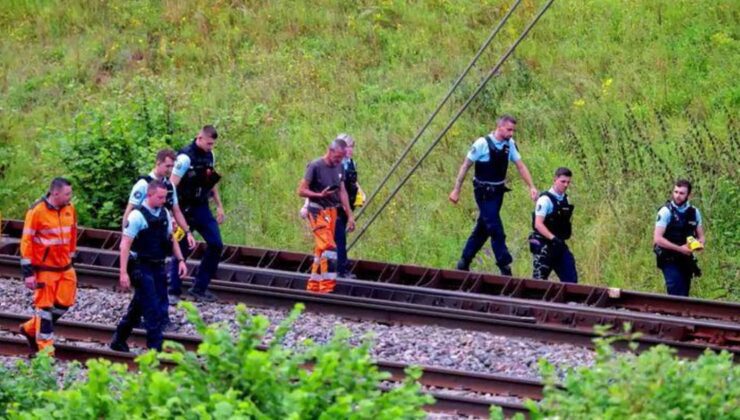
(55, 293)
(323, 277)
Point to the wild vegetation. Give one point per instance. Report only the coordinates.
(630, 94)
(227, 378)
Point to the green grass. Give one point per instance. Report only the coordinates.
(601, 86)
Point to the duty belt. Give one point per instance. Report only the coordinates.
(150, 261)
(478, 182)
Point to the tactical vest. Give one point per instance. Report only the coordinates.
(153, 243)
(170, 190)
(681, 225)
(350, 182)
(558, 221)
(195, 186)
(495, 169)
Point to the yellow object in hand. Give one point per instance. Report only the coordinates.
(360, 199)
(693, 244)
(179, 234)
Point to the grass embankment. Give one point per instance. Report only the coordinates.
(629, 94)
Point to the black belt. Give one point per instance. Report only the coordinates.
(148, 261)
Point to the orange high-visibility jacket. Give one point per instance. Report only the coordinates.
(49, 236)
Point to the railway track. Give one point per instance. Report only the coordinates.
(440, 279)
(447, 379)
(409, 305)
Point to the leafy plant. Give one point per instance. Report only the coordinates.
(230, 377)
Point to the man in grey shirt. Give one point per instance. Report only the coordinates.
(322, 185)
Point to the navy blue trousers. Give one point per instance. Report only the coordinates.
(487, 226)
(200, 219)
(340, 238)
(150, 287)
(677, 278)
(546, 259)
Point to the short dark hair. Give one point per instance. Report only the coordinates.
(684, 183)
(505, 118)
(154, 185)
(209, 131)
(563, 171)
(163, 154)
(58, 183)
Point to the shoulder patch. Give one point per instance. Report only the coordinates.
(539, 207)
(138, 195)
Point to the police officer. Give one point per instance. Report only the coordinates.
(145, 244)
(165, 161)
(552, 227)
(195, 178)
(491, 155)
(677, 221)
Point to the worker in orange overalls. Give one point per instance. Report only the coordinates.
(323, 185)
(48, 246)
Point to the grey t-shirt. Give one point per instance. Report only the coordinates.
(320, 175)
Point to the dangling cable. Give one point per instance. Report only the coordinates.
(462, 109)
(460, 78)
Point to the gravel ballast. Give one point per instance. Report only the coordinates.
(420, 344)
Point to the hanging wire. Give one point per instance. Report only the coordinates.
(454, 119)
(459, 80)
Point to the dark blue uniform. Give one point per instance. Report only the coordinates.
(678, 269)
(198, 177)
(491, 159)
(553, 255)
(340, 232)
(151, 246)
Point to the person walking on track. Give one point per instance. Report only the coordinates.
(48, 246)
(323, 185)
(146, 243)
(551, 222)
(491, 155)
(356, 199)
(195, 178)
(678, 233)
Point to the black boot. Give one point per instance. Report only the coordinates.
(118, 345)
(505, 270)
(463, 265)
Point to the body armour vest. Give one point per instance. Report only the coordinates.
(558, 222)
(495, 169)
(153, 243)
(350, 182)
(170, 190)
(681, 226)
(195, 186)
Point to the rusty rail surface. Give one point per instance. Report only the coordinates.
(413, 305)
(442, 279)
(431, 376)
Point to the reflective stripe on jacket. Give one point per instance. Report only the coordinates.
(49, 235)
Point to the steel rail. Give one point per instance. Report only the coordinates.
(441, 279)
(431, 376)
(262, 291)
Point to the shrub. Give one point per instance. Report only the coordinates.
(231, 378)
(654, 384)
(110, 146)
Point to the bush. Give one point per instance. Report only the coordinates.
(231, 378)
(655, 384)
(110, 146)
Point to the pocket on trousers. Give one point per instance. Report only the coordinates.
(535, 244)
